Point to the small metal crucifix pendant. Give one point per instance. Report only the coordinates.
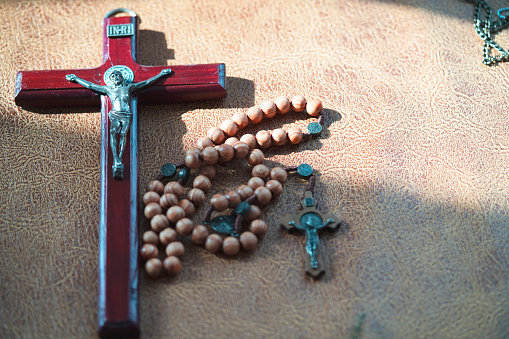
(311, 221)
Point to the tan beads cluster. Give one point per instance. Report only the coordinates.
(265, 184)
(170, 215)
(264, 138)
(222, 153)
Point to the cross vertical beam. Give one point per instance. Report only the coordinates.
(118, 235)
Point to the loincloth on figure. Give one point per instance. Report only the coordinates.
(121, 116)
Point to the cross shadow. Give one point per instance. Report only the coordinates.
(152, 51)
(152, 48)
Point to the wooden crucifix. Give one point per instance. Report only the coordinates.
(122, 83)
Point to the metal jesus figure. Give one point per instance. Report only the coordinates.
(119, 88)
(311, 223)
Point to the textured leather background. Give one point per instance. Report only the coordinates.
(415, 160)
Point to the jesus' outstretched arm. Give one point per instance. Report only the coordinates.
(143, 84)
(86, 84)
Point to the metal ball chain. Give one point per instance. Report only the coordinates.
(484, 28)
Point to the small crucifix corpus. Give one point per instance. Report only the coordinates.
(311, 221)
(118, 226)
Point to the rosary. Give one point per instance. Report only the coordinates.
(170, 215)
(485, 28)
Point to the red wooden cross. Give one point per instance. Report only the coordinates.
(118, 238)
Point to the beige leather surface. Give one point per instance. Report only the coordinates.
(415, 160)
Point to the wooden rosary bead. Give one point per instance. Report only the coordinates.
(213, 243)
(229, 127)
(151, 196)
(274, 187)
(202, 182)
(241, 150)
(150, 237)
(261, 171)
(249, 140)
(231, 141)
(263, 195)
(192, 159)
(254, 213)
(249, 241)
(209, 171)
(231, 246)
(173, 265)
(241, 120)
(226, 153)
(175, 249)
(233, 199)
(279, 137)
(210, 155)
(256, 182)
(298, 103)
(167, 236)
(263, 139)
(184, 226)
(314, 107)
(168, 200)
(174, 187)
(258, 227)
(199, 235)
(149, 251)
(255, 115)
(255, 157)
(245, 192)
(216, 135)
(197, 196)
(204, 142)
(188, 207)
(175, 213)
(153, 267)
(159, 222)
(279, 174)
(283, 105)
(152, 209)
(295, 135)
(220, 202)
(155, 186)
(269, 109)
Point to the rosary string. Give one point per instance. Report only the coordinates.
(171, 216)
